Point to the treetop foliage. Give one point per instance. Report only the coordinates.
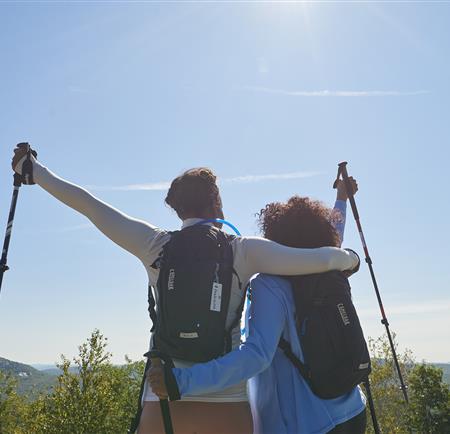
(100, 398)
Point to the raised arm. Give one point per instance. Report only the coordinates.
(340, 207)
(136, 236)
(338, 217)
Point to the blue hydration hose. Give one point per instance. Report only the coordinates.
(235, 229)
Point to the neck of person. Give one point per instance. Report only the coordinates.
(192, 219)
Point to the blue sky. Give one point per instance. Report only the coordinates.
(119, 95)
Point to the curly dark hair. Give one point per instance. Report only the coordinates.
(300, 222)
(194, 192)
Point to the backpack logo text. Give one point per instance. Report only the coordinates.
(343, 313)
(171, 282)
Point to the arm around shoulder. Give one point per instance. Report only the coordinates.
(264, 256)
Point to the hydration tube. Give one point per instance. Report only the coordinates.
(235, 229)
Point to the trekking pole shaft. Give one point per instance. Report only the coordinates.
(167, 419)
(384, 321)
(376, 427)
(164, 404)
(12, 211)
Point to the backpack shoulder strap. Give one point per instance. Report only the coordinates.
(237, 318)
(303, 288)
(156, 265)
(228, 252)
(285, 346)
(152, 307)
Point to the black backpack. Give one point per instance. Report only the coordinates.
(193, 295)
(335, 352)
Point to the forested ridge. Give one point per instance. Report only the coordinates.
(90, 395)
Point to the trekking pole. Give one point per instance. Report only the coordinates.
(164, 404)
(342, 170)
(26, 178)
(376, 427)
(12, 211)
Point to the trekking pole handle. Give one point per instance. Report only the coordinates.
(24, 145)
(27, 166)
(342, 170)
(17, 180)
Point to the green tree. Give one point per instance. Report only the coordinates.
(94, 397)
(13, 407)
(98, 398)
(429, 409)
(390, 407)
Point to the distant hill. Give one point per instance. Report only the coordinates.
(43, 367)
(30, 380)
(446, 369)
(52, 369)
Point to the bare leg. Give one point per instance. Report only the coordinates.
(198, 418)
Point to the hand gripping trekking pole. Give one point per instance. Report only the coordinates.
(342, 171)
(153, 359)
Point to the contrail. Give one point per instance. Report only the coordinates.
(270, 177)
(164, 185)
(334, 93)
(156, 186)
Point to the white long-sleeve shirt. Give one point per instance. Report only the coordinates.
(251, 255)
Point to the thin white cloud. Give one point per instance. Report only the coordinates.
(333, 93)
(270, 177)
(164, 185)
(154, 186)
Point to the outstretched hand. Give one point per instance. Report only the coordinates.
(20, 155)
(342, 191)
(156, 379)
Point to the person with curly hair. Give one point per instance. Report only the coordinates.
(194, 196)
(281, 400)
